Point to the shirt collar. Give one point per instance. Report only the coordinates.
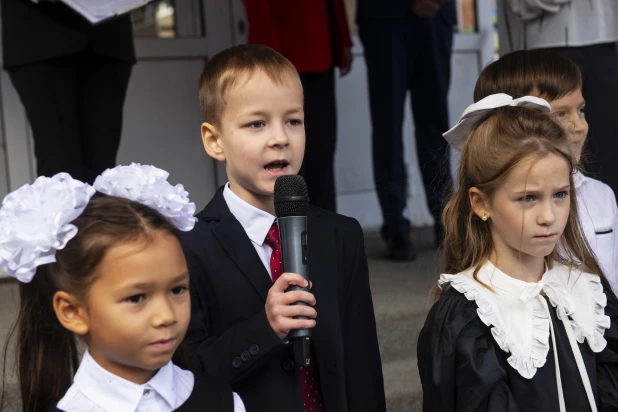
(113, 393)
(256, 222)
(504, 284)
(579, 178)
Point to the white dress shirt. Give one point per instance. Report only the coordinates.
(598, 215)
(95, 389)
(533, 24)
(256, 223)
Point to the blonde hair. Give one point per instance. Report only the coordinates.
(225, 68)
(494, 147)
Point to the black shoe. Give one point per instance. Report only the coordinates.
(400, 248)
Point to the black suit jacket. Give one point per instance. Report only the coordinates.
(230, 336)
(36, 32)
(371, 10)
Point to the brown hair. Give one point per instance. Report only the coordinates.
(494, 147)
(47, 354)
(552, 75)
(226, 67)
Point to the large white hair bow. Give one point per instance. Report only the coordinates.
(35, 222)
(149, 185)
(459, 133)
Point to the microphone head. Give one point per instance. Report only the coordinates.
(291, 196)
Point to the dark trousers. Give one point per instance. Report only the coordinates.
(599, 67)
(74, 105)
(318, 167)
(409, 54)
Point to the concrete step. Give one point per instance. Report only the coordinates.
(402, 385)
(398, 337)
(12, 403)
(402, 295)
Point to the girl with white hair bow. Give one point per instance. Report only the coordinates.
(525, 319)
(104, 263)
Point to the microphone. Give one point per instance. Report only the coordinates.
(291, 208)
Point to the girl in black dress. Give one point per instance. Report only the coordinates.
(107, 267)
(524, 320)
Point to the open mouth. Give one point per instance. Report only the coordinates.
(276, 166)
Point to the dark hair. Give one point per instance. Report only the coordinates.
(47, 353)
(551, 75)
(495, 146)
(226, 67)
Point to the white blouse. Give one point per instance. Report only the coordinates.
(95, 389)
(598, 215)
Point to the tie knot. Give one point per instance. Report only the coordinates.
(272, 238)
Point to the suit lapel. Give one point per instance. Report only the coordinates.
(234, 240)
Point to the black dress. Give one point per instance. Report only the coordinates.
(463, 366)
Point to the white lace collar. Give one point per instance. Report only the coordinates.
(520, 324)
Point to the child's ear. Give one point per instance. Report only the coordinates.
(211, 142)
(479, 203)
(70, 313)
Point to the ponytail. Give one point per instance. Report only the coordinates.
(47, 355)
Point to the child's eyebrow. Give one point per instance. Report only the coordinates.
(537, 191)
(183, 276)
(565, 107)
(255, 113)
(266, 114)
(148, 285)
(295, 110)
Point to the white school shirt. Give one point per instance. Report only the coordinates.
(256, 223)
(95, 389)
(534, 24)
(598, 215)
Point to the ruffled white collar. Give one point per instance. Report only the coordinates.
(520, 324)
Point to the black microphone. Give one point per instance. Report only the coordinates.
(291, 208)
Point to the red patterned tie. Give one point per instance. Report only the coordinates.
(312, 395)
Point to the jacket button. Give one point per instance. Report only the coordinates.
(237, 362)
(254, 349)
(245, 356)
(288, 365)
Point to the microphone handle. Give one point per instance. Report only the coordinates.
(294, 250)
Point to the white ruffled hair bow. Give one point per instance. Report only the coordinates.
(148, 185)
(35, 220)
(459, 133)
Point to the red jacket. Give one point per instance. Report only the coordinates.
(312, 34)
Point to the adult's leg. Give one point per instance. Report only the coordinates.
(386, 58)
(321, 138)
(599, 67)
(429, 84)
(48, 91)
(102, 90)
